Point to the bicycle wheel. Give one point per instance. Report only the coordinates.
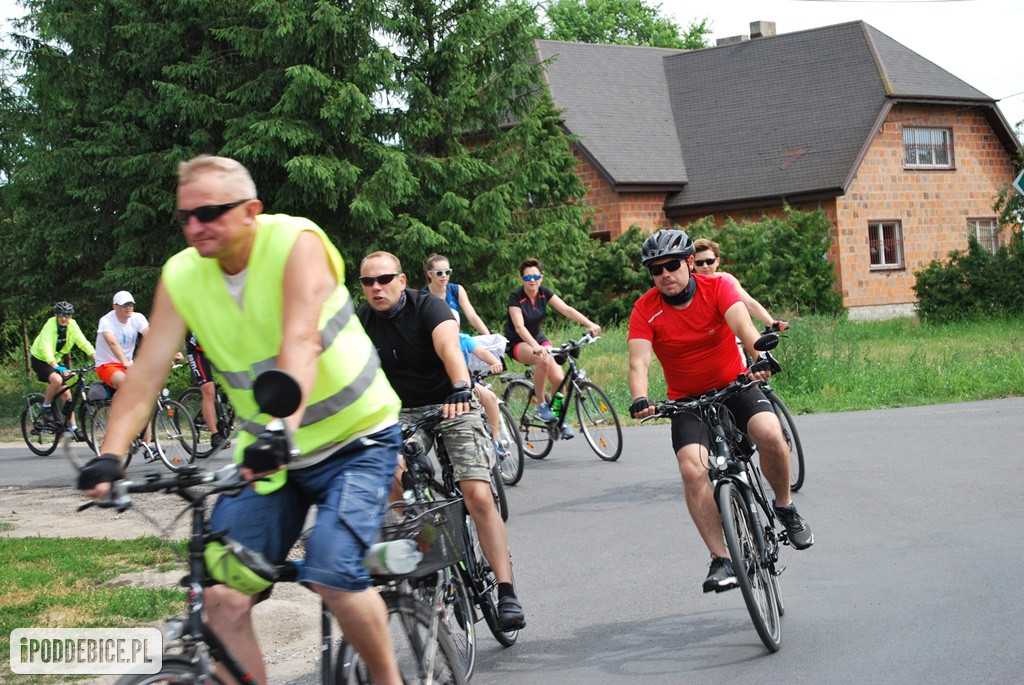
(40, 434)
(85, 411)
(225, 413)
(175, 669)
(755, 579)
(456, 612)
(192, 400)
(498, 492)
(479, 572)
(598, 420)
(174, 435)
(510, 463)
(421, 659)
(534, 433)
(796, 451)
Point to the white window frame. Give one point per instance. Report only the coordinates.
(923, 145)
(986, 231)
(883, 259)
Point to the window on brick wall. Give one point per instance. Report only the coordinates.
(885, 244)
(928, 148)
(986, 231)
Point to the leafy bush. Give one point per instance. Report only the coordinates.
(973, 282)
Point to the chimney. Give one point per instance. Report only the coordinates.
(762, 29)
(731, 40)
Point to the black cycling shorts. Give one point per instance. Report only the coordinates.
(202, 372)
(688, 429)
(42, 369)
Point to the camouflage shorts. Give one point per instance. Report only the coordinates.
(467, 438)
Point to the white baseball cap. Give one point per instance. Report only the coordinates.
(123, 297)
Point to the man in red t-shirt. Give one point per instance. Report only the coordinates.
(691, 323)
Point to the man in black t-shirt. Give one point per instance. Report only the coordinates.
(417, 339)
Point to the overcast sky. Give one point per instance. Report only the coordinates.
(977, 40)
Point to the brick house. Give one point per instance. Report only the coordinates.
(903, 157)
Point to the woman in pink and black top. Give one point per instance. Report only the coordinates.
(527, 307)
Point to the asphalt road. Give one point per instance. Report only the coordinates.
(914, 577)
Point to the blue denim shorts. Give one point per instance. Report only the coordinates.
(350, 490)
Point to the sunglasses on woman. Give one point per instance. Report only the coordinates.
(206, 212)
(672, 265)
(383, 279)
(532, 277)
(441, 272)
(709, 261)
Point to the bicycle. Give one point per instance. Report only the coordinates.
(470, 593)
(192, 400)
(510, 444)
(748, 515)
(42, 434)
(197, 646)
(796, 450)
(172, 429)
(594, 410)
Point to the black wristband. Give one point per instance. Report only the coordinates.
(105, 468)
(639, 404)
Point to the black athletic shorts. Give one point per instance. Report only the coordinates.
(42, 369)
(688, 429)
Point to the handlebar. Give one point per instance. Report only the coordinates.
(670, 408)
(120, 493)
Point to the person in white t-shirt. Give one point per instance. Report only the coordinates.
(116, 336)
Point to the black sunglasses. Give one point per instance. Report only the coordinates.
(709, 261)
(383, 279)
(667, 266)
(206, 212)
(441, 272)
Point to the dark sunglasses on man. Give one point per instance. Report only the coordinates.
(671, 265)
(383, 279)
(206, 212)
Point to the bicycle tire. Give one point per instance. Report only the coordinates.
(498, 492)
(754, 578)
(598, 420)
(511, 464)
(85, 411)
(536, 438)
(457, 614)
(414, 620)
(174, 435)
(175, 669)
(192, 400)
(40, 435)
(796, 450)
(479, 572)
(98, 429)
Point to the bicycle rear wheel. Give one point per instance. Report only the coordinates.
(192, 400)
(534, 433)
(421, 658)
(510, 462)
(755, 579)
(498, 492)
(796, 450)
(174, 435)
(40, 434)
(598, 420)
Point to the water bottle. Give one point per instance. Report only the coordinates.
(556, 403)
(394, 557)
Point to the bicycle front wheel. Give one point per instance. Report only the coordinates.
(456, 613)
(754, 577)
(175, 669)
(796, 451)
(40, 434)
(598, 420)
(174, 435)
(421, 658)
(510, 460)
(192, 400)
(534, 433)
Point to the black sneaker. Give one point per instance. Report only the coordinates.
(510, 614)
(799, 533)
(52, 414)
(218, 439)
(78, 433)
(721, 577)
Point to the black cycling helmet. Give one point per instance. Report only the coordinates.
(668, 242)
(63, 308)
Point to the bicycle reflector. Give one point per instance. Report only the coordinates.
(237, 566)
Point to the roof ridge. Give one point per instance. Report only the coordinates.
(873, 49)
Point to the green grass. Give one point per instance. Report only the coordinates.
(49, 582)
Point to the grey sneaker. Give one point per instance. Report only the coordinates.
(721, 577)
(151, 453)
(567, 432)
(799, 533)
(544, 413)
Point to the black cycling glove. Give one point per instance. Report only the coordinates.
(105, 468)
(269, 453)
(460, 394)
(765, 362)
(639, 404)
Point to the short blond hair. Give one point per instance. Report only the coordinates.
(231, 171)
(381, 253)
(701, 244)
